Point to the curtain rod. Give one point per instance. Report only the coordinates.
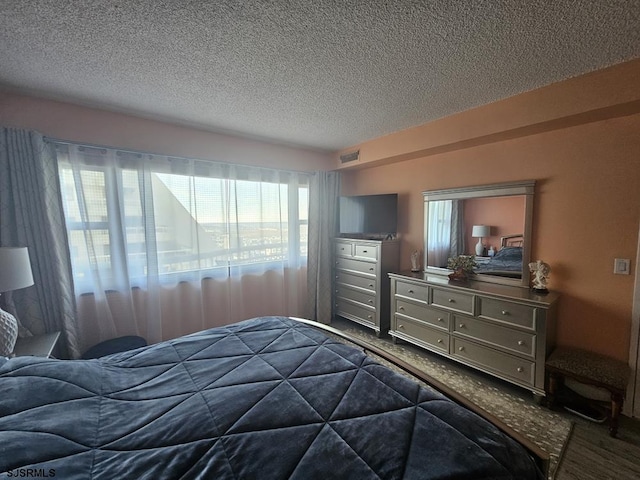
(140, 152)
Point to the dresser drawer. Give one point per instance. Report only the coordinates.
(501, 363)
(366, 251)
(350, 310)
(344, 249)
(355, 280)
(356, 295)
(452, 300)
(411, 290)
(437, 318)
(507, 312)
(502, 337)
(356, 265)
(423, 333)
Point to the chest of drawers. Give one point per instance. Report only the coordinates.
(501, 330)
(361, 286)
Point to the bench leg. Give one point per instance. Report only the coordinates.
(616, 408)
(555, 382)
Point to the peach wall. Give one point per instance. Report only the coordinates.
(101, 127)
(592, 97)
(586, 208)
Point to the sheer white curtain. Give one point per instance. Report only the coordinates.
(439, 228)
(164, 246)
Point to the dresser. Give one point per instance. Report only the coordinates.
(361, 286)
(505, 331)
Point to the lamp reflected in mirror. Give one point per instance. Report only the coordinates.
(480, 231)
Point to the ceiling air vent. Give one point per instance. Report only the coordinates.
(350, 157)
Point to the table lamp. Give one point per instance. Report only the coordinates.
(480, 231)
(15, 273)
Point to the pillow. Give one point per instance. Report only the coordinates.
(509, 253)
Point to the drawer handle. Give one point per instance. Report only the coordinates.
(439, 340)
(371, 269)
(451, 300)
(440, 319)
(371, 285)
(520, 369)
(410, 291)
(365, 251)
(520, 342)
(504, 312)
(460, 349)
(337, 277)
(400, 325)
(369, 317)
(370, 301)
(400, 308)
(462, 325)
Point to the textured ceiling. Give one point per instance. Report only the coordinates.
(324, 74)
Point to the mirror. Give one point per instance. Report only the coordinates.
(492, 222)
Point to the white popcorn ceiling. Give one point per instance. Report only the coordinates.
(324, 74)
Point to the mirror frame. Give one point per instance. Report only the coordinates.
(525, 188)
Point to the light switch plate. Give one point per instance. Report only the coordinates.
(621, 266)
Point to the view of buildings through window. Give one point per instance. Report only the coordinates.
(179, 223)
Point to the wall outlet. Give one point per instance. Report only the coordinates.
(621, 266)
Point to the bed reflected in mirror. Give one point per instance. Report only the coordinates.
(492, 222)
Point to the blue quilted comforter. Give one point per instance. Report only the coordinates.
(506, 263)
(267, 398)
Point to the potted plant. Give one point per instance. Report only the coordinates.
(462, 267)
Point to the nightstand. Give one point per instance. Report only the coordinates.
(37, 346)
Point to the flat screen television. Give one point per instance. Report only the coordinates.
(369, 214)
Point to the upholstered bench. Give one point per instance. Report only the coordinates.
(591, 369)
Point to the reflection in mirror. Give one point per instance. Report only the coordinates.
(446, 232)
(500, 217)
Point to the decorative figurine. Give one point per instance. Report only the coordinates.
(415, 261)
(540, 272)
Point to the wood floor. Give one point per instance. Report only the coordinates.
(592, 454)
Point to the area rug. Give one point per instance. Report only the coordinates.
(514, 406)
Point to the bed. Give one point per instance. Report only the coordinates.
(267, 398)
(507, 262)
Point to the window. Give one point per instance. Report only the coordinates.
(131, 217)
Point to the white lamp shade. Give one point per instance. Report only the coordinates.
(15, 269)
(481, 231)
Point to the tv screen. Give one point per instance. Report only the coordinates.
(369, 214)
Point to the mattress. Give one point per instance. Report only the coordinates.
(267, 398)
